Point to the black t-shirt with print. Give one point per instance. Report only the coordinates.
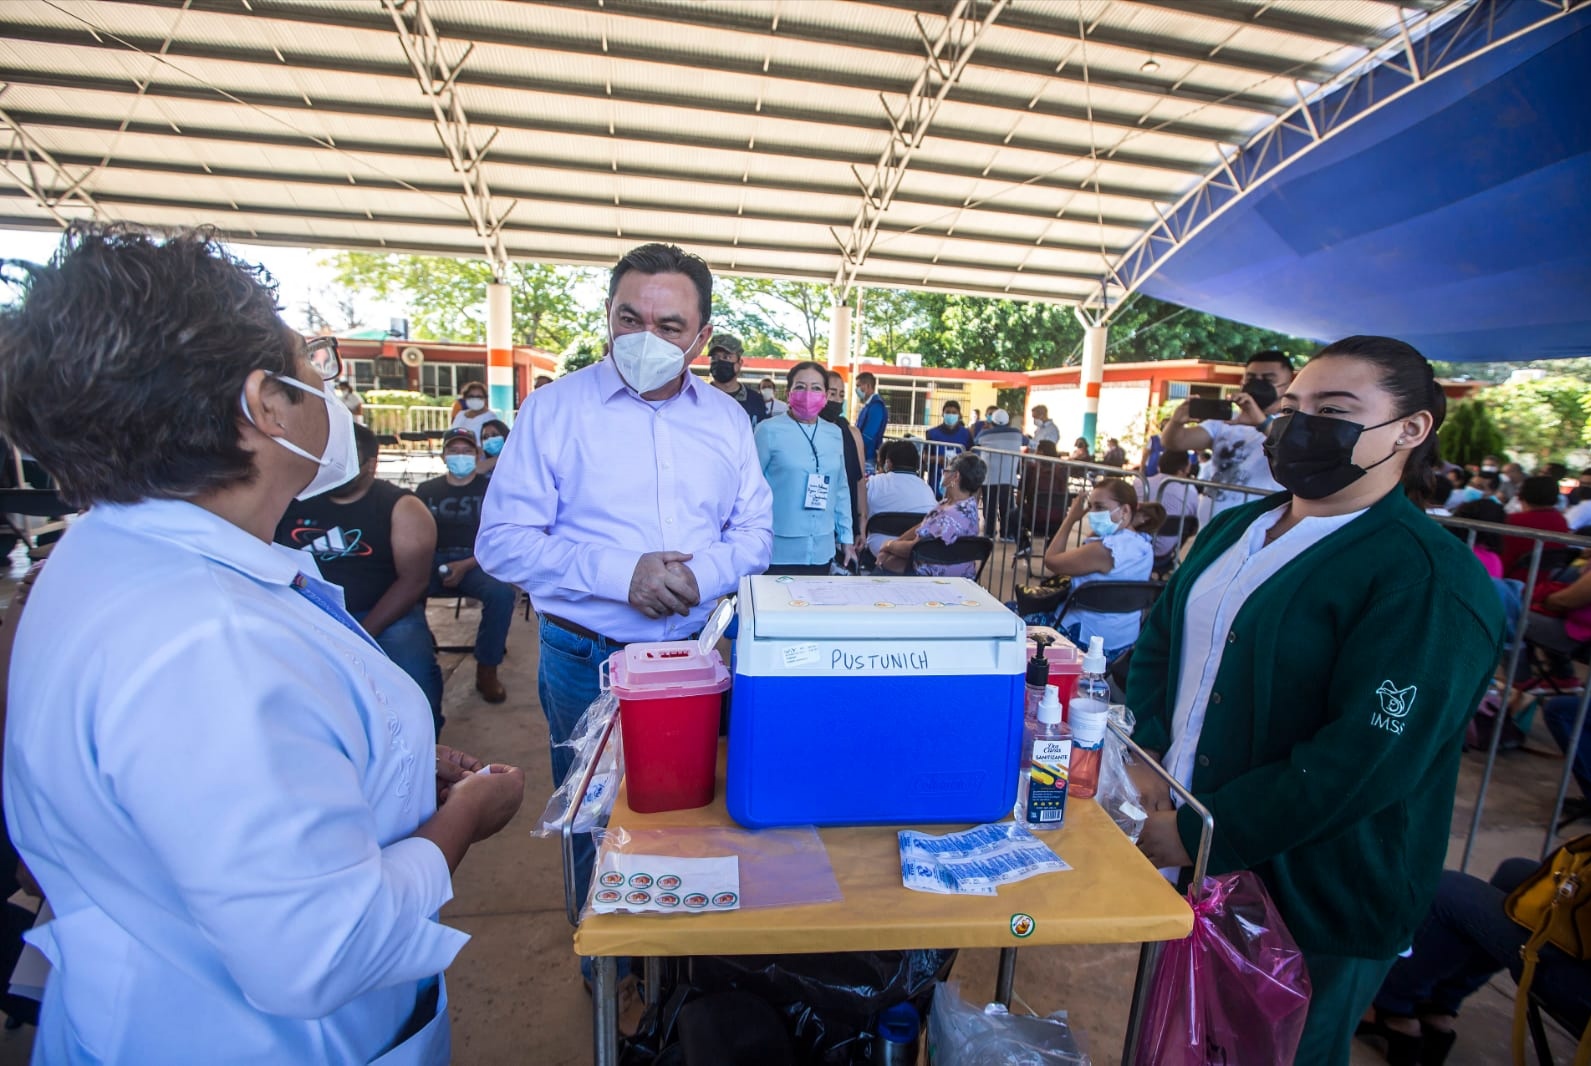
(457, 510)
(352, 542)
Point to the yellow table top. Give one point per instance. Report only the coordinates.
(1110, 896)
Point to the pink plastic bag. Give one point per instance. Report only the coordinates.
(1235, 991)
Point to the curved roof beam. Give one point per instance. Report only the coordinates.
(1431, 43)
(791, 26)
(817, 117)
(437, 74)
(695, 139)
(503, 157)
(949, 51)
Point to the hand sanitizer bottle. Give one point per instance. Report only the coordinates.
(1042, 790)
(1088, 711)
(1038, 677)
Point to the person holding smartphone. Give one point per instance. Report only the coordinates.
(1237, 441)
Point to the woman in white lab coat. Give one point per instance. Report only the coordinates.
(225, 789)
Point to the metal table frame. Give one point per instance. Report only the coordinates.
(605, 984)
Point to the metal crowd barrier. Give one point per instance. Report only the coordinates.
(1515, 651)
(391, 419)
(1044, 488)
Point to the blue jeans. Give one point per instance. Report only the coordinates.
(409, 643)
(1466, 939)
(1559, 713)
(497, 604)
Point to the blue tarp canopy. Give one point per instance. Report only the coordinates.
(1456, 217)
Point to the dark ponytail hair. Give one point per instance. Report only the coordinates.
(1409, 377)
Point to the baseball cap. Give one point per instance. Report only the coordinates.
(729, 343)
(459, 434)
(1000, 418)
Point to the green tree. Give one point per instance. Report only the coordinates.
(769, 315)
(895, 321)
(1545, 418)
(971, 331)
(1468, 434)
(446, 298)
(968, 331)
(1148, 330)
(579, 359)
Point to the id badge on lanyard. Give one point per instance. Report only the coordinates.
(817, 498)
(817, 492)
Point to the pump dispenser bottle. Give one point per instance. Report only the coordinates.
(1087, 714)
(1042, 790)
(1038, 676)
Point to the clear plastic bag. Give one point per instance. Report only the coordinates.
(1117, 796)
(775, 867)
(960, 1034)
(1235, 990)
(604, 787)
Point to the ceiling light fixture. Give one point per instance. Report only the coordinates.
(1150, 66)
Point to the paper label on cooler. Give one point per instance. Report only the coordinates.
(881, 592)
(1047, 780)
(665, 884)
(802, 655)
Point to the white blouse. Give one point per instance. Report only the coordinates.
(216, 783)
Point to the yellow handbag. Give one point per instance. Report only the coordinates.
(1554, 903)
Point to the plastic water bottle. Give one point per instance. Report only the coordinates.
(898, 1030)
(1041, 792)
(1088, 712)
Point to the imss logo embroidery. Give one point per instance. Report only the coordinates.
(1396, 703)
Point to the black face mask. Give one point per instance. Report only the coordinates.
(1263, 391)
(723, 372)
(1312, 455)
(831, 411)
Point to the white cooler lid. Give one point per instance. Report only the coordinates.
(878, 608)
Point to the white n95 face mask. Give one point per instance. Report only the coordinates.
(340, 464)
(647, 361)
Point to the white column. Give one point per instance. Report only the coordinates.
(840, 336)
(1092, 377)
(500, 349)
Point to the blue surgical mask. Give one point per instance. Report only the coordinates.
(460, 465)
(493, 445)
(951, 418)
(1102, 524)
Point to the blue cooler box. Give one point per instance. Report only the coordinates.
(862, 700)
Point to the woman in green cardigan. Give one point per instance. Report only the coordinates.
(1309, 672)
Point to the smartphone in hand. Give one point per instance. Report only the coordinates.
(1208, 410)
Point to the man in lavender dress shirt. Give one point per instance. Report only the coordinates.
(631, 497)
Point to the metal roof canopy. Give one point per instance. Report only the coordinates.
(1014, 148)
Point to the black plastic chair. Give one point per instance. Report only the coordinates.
(887, 524)
(1181, 526)
(935, 552)
(1114, 597)
(35, 503)
(893, 523)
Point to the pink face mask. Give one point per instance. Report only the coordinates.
(806, 404)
